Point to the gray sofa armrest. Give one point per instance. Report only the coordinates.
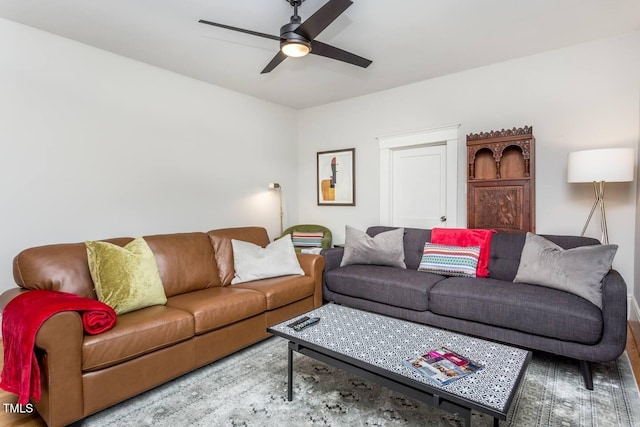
(332, 258)
(614, 316)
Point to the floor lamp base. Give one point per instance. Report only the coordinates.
(598, 189)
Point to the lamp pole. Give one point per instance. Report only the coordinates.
(281, 210)
(278, 188)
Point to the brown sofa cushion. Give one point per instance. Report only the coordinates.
(217, 307)
(280, 291)
(136, 333)
(221, 241)
(61, 267)
(186, 262)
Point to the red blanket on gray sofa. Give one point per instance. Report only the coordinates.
(467, 237)
(21, 320)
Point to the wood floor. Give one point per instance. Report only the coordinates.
(27, 420)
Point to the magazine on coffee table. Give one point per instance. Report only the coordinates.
(442, 365)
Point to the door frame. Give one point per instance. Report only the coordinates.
(446, 135)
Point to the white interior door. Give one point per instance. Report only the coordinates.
(419, 187)
(419, 178)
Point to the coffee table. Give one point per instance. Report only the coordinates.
(373, 347)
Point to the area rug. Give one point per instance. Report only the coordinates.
(248, 388)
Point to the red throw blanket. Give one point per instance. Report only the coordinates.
(22, 318)
(467, 237)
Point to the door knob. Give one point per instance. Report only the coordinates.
(443, 218)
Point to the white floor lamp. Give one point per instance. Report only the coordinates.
(600, 166)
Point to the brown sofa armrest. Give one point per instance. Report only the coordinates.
(7, 296)
(313, 265)
(59, 345)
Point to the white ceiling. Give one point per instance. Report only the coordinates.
(408, 41)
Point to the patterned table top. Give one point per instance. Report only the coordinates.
(385, 342)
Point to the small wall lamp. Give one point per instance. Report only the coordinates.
(278, 187)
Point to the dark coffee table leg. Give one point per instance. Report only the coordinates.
(496, 422)
(466, 417)
(290, 375)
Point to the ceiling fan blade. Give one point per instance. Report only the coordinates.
(274, 62)
(320, 20)
(328, 51)
(229, 27)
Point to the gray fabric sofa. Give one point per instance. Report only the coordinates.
(496, 308)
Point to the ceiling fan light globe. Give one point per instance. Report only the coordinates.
(295, 49)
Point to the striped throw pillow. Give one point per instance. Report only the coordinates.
(450, 260)
(304, 239)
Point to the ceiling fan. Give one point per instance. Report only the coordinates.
(297, 38)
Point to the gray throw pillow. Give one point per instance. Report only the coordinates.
(579, 270)
(386, 248)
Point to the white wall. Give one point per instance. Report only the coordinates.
(585, 96)
(94, 145)
(635, 304)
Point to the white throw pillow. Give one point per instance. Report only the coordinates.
(252, 262)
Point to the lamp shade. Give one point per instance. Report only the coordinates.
(607, 164)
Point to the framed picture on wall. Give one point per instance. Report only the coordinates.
(336, 178)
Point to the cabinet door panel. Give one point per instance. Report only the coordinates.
(500, 206)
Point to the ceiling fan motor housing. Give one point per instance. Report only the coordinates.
(288, 35)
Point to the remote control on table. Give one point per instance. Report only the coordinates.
(297, 322)
(306, 324)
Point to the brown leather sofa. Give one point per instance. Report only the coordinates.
(203, 320)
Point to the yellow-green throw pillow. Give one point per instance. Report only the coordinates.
(126, 278)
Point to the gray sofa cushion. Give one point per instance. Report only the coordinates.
(523, 307)
(506, 249)
(504, 258)
(384, 248)
(578, 270)
(393, 286)
(414, 240)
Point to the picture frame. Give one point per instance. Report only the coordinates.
(336, 178)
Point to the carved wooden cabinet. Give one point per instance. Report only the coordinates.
(500, 180)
